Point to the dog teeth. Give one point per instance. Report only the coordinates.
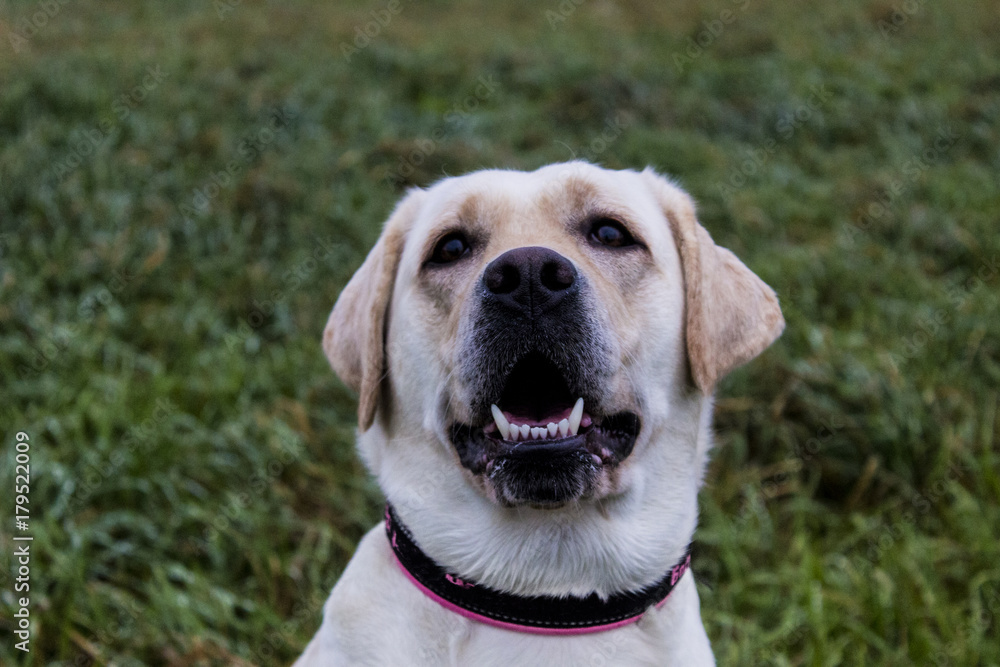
(576, 416)
(502, 424)
(551, 431)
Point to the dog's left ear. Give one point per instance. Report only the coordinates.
(354, 338)
(731, 314)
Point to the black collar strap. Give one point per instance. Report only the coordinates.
(536, 614)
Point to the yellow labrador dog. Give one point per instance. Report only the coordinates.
(536, 355)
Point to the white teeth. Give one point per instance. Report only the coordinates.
(552, 430)
(576, 416)
(502, 424)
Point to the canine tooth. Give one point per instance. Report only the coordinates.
(597, 459)
(576, 416)
(501, 421)
(552, 429)
(536, 432)
(525, 431)
(564, 427)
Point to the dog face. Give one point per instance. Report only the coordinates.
(540, 327)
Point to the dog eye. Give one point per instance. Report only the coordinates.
(450, 248)
(610, 233)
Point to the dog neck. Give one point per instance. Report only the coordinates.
(620, 543)
(535, 614)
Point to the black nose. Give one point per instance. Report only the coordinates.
(530, 280)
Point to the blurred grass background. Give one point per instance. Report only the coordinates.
(185, 187)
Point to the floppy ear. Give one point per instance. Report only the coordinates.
(731, 314)
(354, 338)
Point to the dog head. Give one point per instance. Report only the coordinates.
(537, 331)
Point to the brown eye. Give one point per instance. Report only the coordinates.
(450, 248)
(611, 233)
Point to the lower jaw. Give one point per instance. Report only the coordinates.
(544, 473)
(546, 484)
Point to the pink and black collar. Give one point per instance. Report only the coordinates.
(539, 614)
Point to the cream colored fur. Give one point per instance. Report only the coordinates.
(680, 322)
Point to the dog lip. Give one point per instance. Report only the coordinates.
(544, 448)
(608, 441)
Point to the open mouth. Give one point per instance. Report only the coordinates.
(542, 444)
(537, 404)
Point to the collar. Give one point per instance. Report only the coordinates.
(533, 614)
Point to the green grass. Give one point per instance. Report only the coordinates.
(195, 492)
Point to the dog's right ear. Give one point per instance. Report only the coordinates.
(731, 314)
(354, 338)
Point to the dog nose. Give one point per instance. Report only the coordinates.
(531, 280)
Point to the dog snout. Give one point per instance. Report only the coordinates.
(531, 280)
